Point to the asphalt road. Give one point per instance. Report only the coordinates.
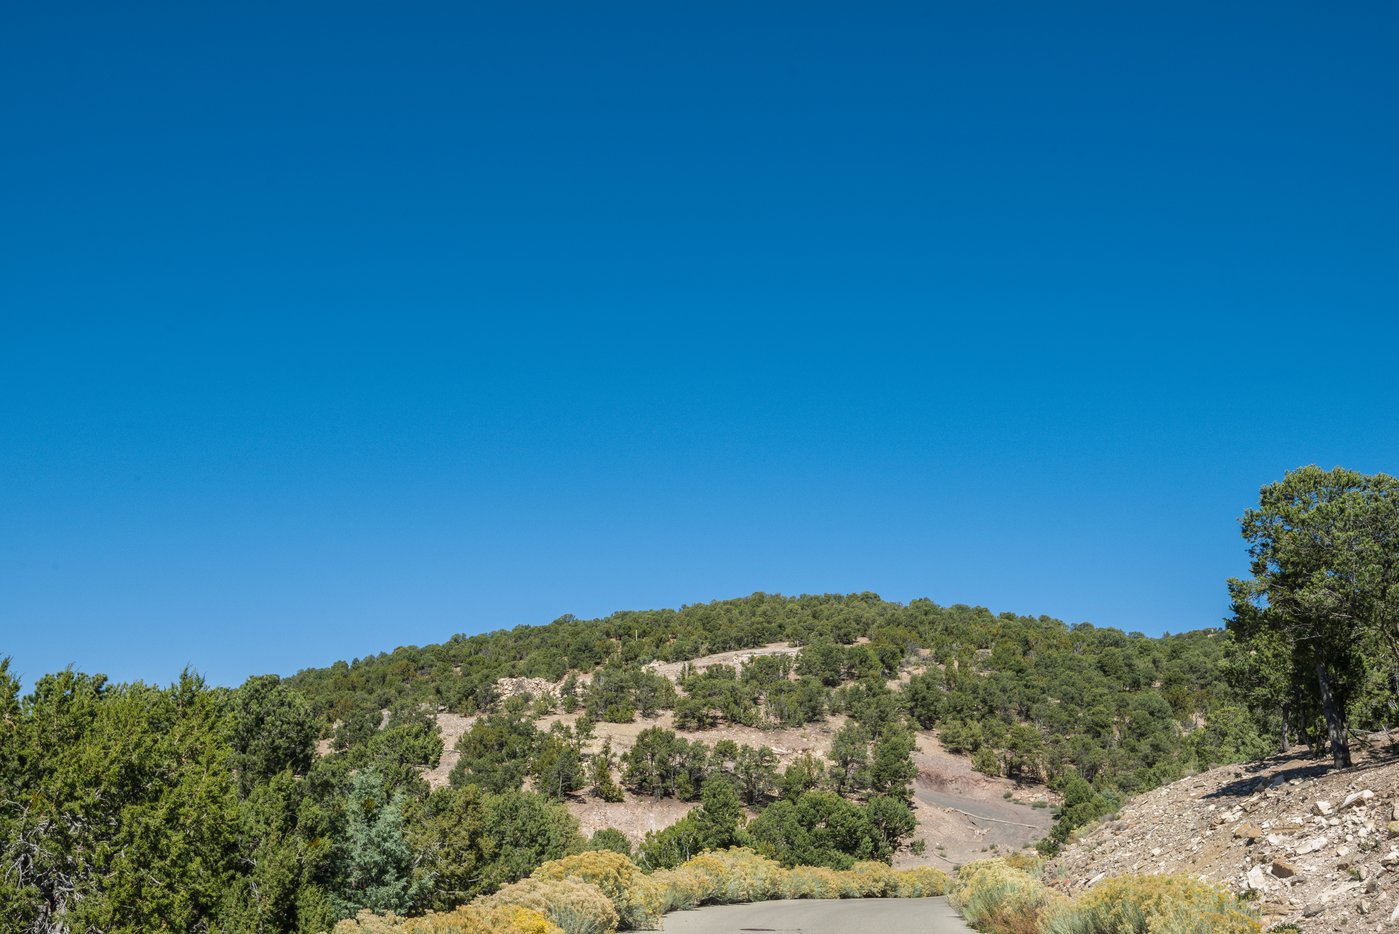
(822, 916)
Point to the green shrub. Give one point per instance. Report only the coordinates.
(1155, 904)
(610, 838)
(577, 907)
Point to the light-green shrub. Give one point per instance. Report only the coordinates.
(994, 896)
(1002, 897)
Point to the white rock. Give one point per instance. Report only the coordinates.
(1257, 878)
(1310, 846)
(1322, 808)
(1360, 797)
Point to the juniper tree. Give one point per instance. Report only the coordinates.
(1324, 550)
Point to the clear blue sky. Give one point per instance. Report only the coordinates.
(330, 328)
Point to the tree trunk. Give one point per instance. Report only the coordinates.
(1286, 745)
(1337, 733)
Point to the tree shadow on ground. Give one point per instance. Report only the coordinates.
(1377, 750)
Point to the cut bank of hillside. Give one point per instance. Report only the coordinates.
(1313, 846)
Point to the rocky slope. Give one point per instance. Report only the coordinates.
(1315, 847)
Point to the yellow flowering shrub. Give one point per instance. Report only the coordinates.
(637, 900)
(873, 880)
(1028, 860)
(577, 907)
(1154, 905)
(811, 882)
(600, 891)
(921, 882)
(367, 922)
(468, 919)
(738, 875)
(681, 889)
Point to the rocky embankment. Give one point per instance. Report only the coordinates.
(1313, 846)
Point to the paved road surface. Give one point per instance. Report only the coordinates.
(822, 916)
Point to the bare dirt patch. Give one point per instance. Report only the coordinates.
(452, 727)
(736, 659)
(633, 816)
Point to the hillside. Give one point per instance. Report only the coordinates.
(960, 813)
(1012, 706)
(1312, 845)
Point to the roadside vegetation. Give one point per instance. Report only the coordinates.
(1007, 896)
(597, 893)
